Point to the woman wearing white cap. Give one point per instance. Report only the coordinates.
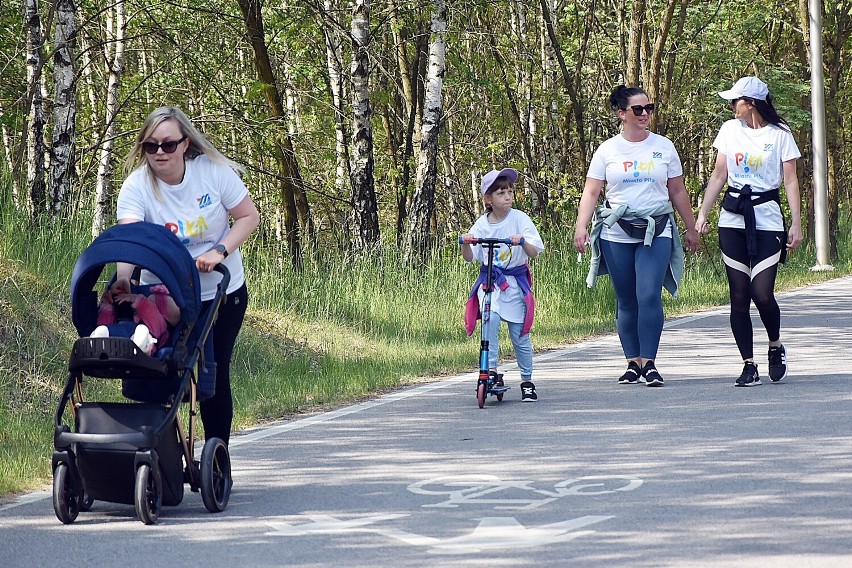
(756, 153)
(634, 236)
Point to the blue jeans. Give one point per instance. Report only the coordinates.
(637, 274)
(522, 345)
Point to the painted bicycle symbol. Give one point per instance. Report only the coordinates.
(517, 494)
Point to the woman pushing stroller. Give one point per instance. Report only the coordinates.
(181, 181)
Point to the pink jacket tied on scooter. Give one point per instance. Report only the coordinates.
(522, 275)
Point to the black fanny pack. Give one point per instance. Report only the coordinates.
(636, 228)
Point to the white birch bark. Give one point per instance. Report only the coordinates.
(334, 62)
(423, 202)
(64, 104)
(115, 29)
(365, 207)
(35, 131)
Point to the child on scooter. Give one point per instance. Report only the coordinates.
(511, 299)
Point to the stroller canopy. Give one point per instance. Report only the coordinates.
(146, 245)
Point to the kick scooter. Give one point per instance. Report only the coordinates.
(487, 384)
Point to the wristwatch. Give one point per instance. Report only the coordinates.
(220, 248)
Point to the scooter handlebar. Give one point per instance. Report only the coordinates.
(489, 241)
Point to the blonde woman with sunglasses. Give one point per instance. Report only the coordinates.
(178, 179)
(634, 236)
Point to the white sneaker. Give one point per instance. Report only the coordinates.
(100, 331)
(143, 339)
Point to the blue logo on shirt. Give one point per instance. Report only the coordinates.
(658, 155)
(204, 201)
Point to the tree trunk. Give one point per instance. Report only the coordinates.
(365, 208)
(567, 81)
(634, 50)
(423, 202)
(293, 197)
(114, 50)
(64, 105)
(35, 143)
(334, 61)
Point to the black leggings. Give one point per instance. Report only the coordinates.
(752, 280)
(217, 412)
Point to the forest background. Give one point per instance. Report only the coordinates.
(365, 127)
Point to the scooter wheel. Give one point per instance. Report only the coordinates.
(499, 397)
(480, 393)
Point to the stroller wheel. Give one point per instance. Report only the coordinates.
(86, 501)
(66, 497)
(147, 495)
(215, 475)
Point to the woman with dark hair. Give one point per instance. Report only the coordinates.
(634, 236)
(756, 152)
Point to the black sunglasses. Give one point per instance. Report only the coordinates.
(168, 147)
(639, 109)
(735, 101)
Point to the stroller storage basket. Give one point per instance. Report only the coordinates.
(108, 469)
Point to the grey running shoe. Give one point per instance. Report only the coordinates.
(631, 376)
(652, 377)
(749, 378)
(528, 392)
(777, 364)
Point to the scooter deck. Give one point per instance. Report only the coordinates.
(498, 390)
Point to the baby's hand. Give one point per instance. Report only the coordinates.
(122, 298)
(516, 239)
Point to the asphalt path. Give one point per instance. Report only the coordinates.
(697, 473)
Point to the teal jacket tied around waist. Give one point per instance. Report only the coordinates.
(611, 215)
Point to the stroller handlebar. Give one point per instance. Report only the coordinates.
(487, 242)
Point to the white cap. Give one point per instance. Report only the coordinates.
(750, 87)
(489, 178)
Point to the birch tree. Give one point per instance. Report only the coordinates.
(64, 104)
(423, 201)
(334, 61)
(114, 56)
(365, 207)
(35, 132)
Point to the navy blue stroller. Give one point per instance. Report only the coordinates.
(139, 451)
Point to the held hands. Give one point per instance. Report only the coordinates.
(701, 223)
(692, 239)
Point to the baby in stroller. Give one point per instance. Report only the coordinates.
(146, 319)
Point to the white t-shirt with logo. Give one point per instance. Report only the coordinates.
(195, 210)
(636, 175)
(509, 303)
(755, 157)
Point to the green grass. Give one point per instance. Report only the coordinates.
(340, 330)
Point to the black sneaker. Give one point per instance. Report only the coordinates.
(528, 392)
(749, 378)
(777, 364)
(497, 378)
(652, 377)
(631, 376)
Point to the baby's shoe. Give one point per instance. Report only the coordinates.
(100, 331)
(144, 340)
